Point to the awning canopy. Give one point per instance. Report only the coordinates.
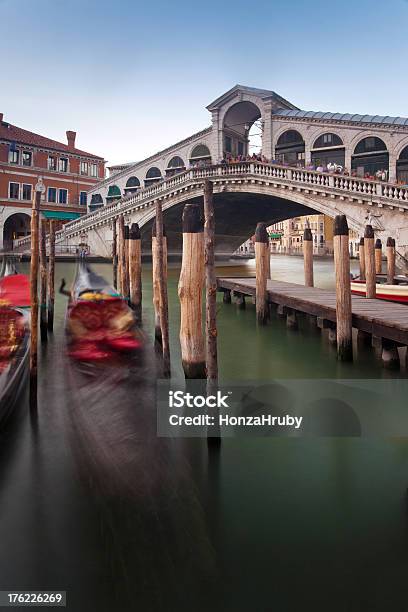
(275, 236)
(114, 192)
(59, 214)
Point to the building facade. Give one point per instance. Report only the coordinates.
(360, 145)
(67, 172)
(287, 236)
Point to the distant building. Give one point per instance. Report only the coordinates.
(68, 174)
(287, 236)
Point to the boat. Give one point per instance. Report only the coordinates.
(392, 293)
(14, 336)
(100, 325)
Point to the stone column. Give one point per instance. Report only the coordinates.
(392, 174)
(267, 131)
(347, 158)
(216, 138)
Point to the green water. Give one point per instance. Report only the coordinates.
(265, 524)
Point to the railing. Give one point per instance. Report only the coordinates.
(393, 194)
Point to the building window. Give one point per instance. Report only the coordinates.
(228, 144)
(62, 196)
(27, 158)
(82, 198)
(63, 164)
(84, 167)
(52, 163)
(13, 156)
(94, 169)
(14, 191)
(52, 194)
(27, 191)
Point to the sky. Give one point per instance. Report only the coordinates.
(132, 78)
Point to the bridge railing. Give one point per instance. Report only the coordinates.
(294, 176)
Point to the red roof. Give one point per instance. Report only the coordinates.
(18, 135)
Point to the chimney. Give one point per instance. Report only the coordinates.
(71, 139)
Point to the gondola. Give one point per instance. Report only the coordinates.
(14, 336)
(100, 326)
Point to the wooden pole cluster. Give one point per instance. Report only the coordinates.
(390, 250)
(378, 256)
(210, 283)
(343, 289)
(155, 274)
(115, 253)
(135, 271)
(51, 277)
(163, 298)
(43, 283)
(361, 256)
(262, 272)
(369, 262)
(122, 255)
(308, 256)
(190, 290)
(34, 297)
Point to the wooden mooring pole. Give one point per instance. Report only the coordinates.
(122, 256)
(155, 278)
(190, 291)
(361, 257)
(378, 256)
(43, 283)
(126, 290)
(135, 271)
(369, 262)
(262, 269)
(308, 256)
(115, 253)
(343, 289)
(51, 277)
(34, 297)
(163, 298)
(390, 250)
(210, 283)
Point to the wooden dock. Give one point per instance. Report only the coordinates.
(381, 319)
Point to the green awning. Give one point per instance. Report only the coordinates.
(275, 236)
(59, 214)
(114, 192)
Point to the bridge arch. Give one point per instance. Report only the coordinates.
(132, 185)
(402, 166)
(236, 127)
(96, 202)
(327, 148)
(200, 153)
(153, 175)
(16, 225)
(370, 155)
(290, 148)
(114, 193)
(175, 165)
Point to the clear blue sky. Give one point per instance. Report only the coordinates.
(133, 77)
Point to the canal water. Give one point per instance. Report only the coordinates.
(93, 503)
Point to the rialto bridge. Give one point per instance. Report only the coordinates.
(296, 147)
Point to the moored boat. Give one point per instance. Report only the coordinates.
(392, 293)
(99, 323)
(14, 336)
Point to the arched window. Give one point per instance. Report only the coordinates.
(153, 175)
(96, 198)
(200, 155)
(114, 193)
(132, 185)
(328, 149)
(328, 140)
(402, 167)
(176, 164)
(290, 148)
(370, 157)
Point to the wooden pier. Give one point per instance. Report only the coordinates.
(381, 319)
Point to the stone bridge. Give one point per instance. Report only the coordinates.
(245, 193)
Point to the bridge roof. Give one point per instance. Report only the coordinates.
(261, 93)
(301, 114)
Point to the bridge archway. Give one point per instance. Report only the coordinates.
(290, 148)
(242, 129)
(114, 194)
(328, 148)
(175, 165)
(16, 226)
(370, 156)
(402, 166)
(200, 155)
(132, 185)
(153, 175)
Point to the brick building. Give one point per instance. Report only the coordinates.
(67, 172)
